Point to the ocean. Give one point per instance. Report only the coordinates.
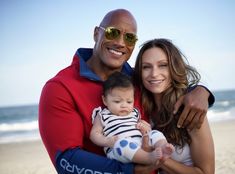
(20, 123)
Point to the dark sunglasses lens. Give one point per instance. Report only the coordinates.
(112, 33)
(130, 38)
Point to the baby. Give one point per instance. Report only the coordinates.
(117, 127)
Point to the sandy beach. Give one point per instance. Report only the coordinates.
(25, 158)
(224, 140)
(31, 157)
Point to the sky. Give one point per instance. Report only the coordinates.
(38, 38)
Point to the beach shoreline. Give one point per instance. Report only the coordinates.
(31, 157)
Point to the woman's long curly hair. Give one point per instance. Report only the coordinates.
(183, 77)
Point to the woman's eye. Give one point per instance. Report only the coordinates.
(163, 65)
(145, 67)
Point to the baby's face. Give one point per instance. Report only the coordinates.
(120, 101)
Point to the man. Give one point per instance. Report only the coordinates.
(68, 99)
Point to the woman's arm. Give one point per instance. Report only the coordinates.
(202, 148)
(202, 152)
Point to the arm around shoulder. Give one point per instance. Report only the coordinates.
(195, 105)
(208, 93)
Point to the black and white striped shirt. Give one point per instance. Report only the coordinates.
(123, 126)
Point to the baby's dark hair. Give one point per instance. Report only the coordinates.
(115, 80)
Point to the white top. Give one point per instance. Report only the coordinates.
(182, 155)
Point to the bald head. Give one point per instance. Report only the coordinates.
(119, 15)
(110, 53)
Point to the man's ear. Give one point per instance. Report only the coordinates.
(96, 34)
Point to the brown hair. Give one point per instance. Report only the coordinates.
(183, 76)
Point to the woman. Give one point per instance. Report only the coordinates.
(163, 76)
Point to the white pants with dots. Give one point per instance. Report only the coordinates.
(125, 148)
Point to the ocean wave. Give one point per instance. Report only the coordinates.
(20, 123)
(24, 126)
(215, 115)
(16, 137)
(224, 103)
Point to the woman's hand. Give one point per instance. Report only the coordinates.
(143, 126)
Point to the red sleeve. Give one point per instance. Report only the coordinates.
(59, 123)
(138, 105)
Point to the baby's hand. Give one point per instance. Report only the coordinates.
(143, 126)
(111, 141)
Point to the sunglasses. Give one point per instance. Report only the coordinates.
(112, 33)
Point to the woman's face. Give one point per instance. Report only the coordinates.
(155, 70)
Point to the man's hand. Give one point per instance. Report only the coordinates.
(195, 108)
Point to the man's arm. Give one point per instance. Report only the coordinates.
(62, 131)
(211, 98)
(79, 161)
(195, 105)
